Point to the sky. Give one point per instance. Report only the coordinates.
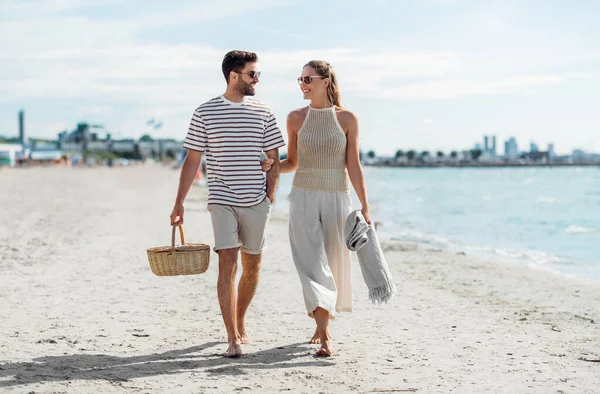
(419, 74)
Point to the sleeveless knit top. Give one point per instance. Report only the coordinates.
(322, 152)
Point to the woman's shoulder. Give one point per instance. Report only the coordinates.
(346, 117)
(299, 111)
(298, 115)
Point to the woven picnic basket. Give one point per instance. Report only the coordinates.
(186, 259)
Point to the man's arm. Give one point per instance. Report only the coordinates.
(187, 177)
(272, 174)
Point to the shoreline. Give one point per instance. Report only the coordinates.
(471, 249)
(479, 165)
(499, 255)
(82, 313)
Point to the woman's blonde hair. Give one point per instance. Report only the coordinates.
(325, 70)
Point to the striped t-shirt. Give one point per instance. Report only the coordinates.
(233, 135)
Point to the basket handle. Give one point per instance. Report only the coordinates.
(173, 237)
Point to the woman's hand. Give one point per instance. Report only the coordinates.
(366, 214)
(266, 164)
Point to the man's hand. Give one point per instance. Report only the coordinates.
(266, 164)
(177, 214)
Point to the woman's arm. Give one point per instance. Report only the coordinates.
(355, 171)
(293, 124)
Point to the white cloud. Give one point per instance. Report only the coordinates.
(61, 54)
(456, 88)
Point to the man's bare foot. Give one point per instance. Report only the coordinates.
(242, 336)
(234, 350)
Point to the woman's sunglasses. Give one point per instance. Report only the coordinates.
(308, 79)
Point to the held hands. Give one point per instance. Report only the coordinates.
(266, 164)
(177, 214)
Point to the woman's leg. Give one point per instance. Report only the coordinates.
(308, 252)
(335, 209)
(322, 319)
(333, 218)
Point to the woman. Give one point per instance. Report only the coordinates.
(323, 150)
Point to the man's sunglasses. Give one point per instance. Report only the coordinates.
(251, 74)
(308, 79)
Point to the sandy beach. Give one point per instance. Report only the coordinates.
(81, 311)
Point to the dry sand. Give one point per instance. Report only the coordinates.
(82, 313)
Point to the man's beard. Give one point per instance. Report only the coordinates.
(245, 89)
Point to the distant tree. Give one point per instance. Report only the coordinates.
(399, 153)
(371, 154)
(440, 154)
(411, 154)
(454, 154)
(425, 153)
(9, 140)
(146, 138)
(476, 153)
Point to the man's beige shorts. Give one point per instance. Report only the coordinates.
(242, 227)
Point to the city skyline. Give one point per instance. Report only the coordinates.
(426, 74)
(489, 146)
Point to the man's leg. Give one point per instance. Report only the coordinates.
(227, 300)
(246, 290)
(253, 222)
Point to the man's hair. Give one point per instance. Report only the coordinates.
(236, 61)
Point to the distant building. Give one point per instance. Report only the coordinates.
(84, 140)
(578, 154)
(80, 137)
(22, 136)
(551, 153)
(534, 148)
(511, 149)
(489, 149)
(9, 154)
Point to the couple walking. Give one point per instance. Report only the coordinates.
(233, 130)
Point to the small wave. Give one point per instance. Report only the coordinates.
(574, 229)
(533, 257)
(547, 200)
(427, 239)
(528, 181)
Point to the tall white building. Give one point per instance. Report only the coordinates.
(533, 147)
(511, 149)
(551, 153)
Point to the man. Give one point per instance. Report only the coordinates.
(233, 130)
